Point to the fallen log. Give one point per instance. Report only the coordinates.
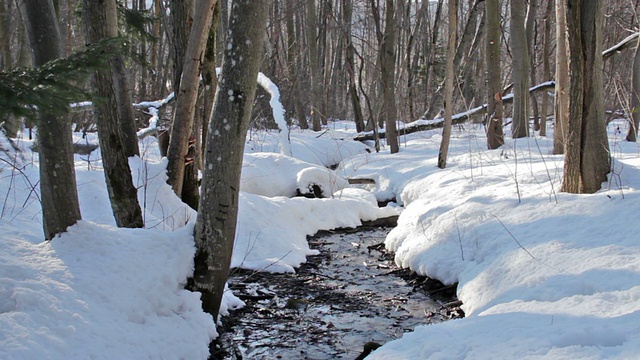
(360, 181)
(391, 221)
(460, 118)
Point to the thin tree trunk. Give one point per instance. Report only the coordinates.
(209, 76)
(495, 136)
(58, 190)
(431, 61)
(546, 71)
(5, 39)
(387, 67)
(183, 119)
(155, 50)
(448, 103)
(347, 14)
(293, 61)
(312, 44)
(531, 32)
(216, 223)
(561, 116)
(632, 135)
(412, 58)
(520, 56)
(462, 58)
(11, 124)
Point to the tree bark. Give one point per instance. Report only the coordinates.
(448, 103)
(100, 18)
(387, 67)
(462, 55)
(495, 135)
(314, 67)
(347, 14)
(10, 124)
(632, 135)
(217, 218)
(546, 71)
(431, 60)
(58, 190)
(209, 76)
(587, 161)
(293, 61)
(5, 39)
(187, 95)
(561, 117)
(531, 31)
(181, 20)
(520, 58)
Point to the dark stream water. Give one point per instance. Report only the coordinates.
(350, 294)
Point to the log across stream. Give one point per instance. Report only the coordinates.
(350, 294)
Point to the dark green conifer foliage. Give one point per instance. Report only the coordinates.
(53, 86)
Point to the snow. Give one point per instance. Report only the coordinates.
(541, 274)
(97, 285)
(278, 111)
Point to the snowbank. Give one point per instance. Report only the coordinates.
(542, 274)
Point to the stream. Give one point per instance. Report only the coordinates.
(350, 294)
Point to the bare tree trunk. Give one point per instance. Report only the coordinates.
(181, 19)
(293, 54)
(5, 39)
(413, 58)
(587, 161)
(470, 66)
(11, 124)
(520, 56)
(101, 22)
(209, 77)
(387, 67)
(495, 135)
(155, 49)
(187, 95)
(546, 72)
(632, 135)
(58, 190)
(561, 117)
(312, 44)
(347, 14)
(530, 27)
(462, 55)
(448, 103)
(431, 61)
(216, 224)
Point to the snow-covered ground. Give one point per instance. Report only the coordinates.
(542, 274)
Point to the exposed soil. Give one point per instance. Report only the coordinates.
(350, 294)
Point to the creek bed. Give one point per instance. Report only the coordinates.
(350, 294)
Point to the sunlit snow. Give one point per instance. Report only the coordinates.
(542, 274)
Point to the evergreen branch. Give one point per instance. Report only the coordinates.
(51, 87)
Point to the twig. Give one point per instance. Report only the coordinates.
(513, 237)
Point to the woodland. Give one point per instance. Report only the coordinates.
(204, 80)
